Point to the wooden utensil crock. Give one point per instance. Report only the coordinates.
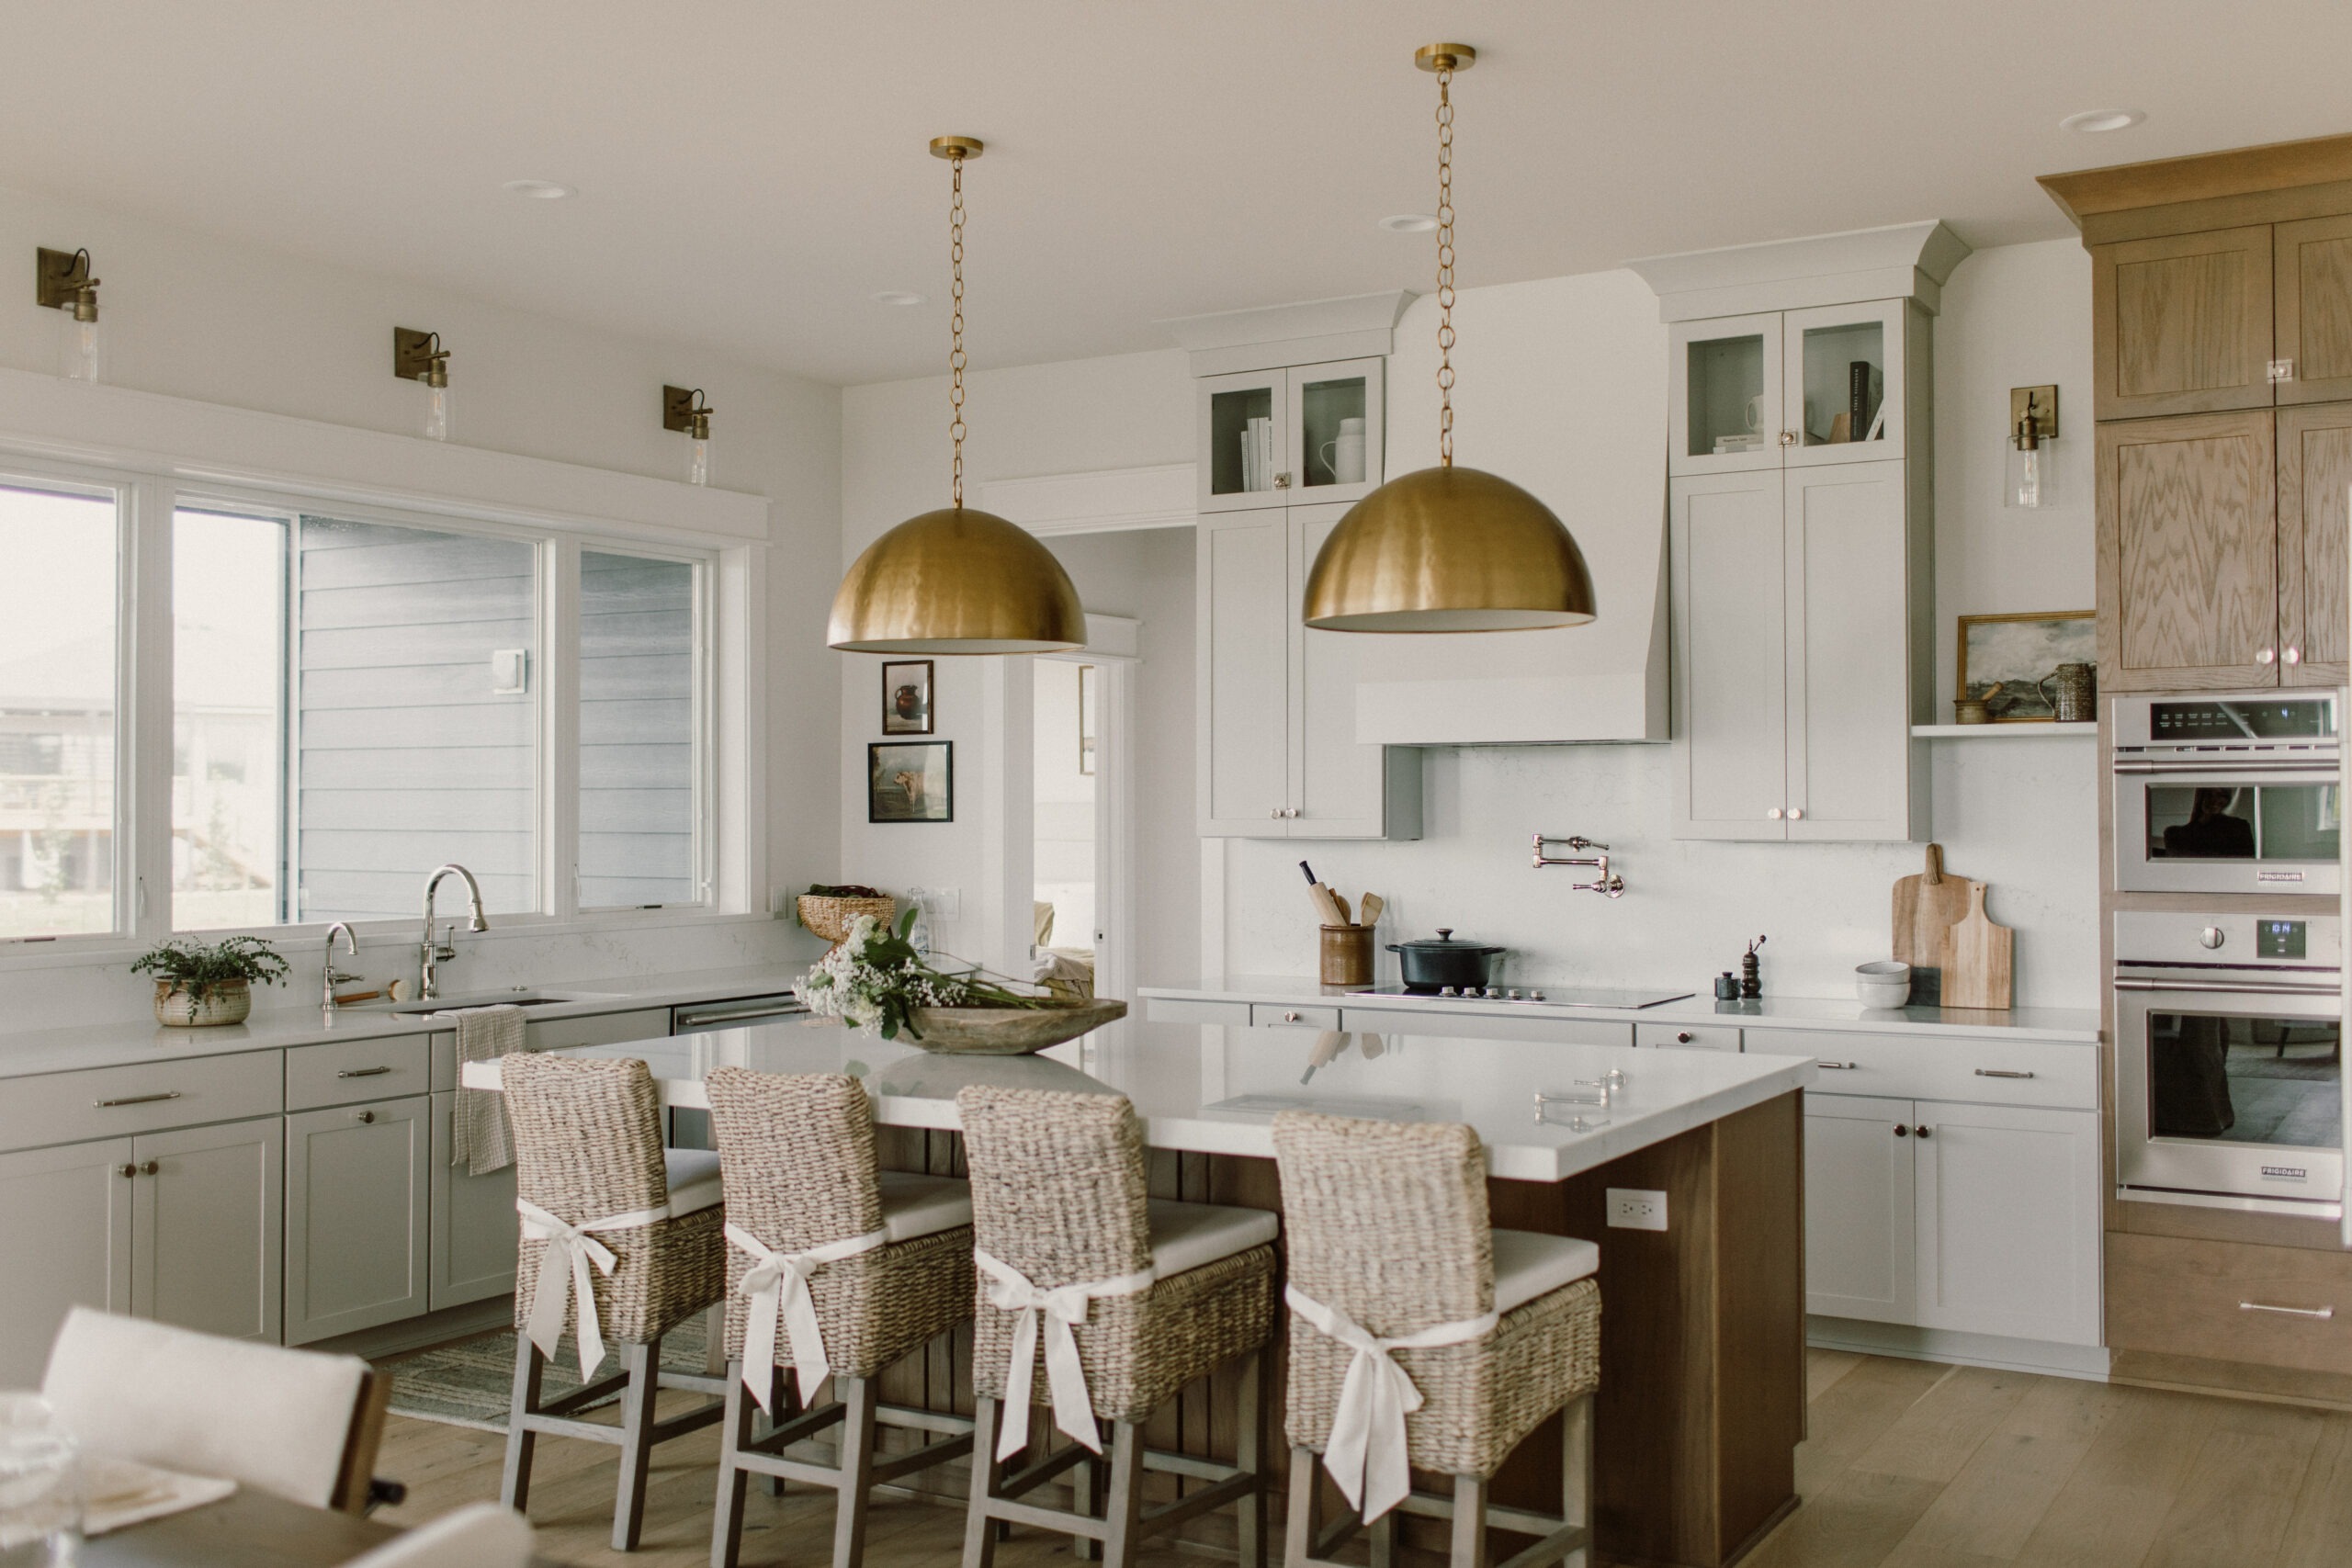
(1347, 955)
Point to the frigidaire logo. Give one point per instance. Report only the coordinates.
(2285, 1173)
(2277, 876)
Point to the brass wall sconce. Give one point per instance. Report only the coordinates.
(62, 282)
(686, 410)
(2033, 425)
(419, 356)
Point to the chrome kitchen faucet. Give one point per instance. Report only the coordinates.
(332, 977)
(435, 952)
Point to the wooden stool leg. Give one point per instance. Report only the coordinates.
(1249, 1456)
(1382, 1536)
(979, 1539)
(856, 1396)
(734, 1431)
(784, 1398)
(1469, 1523)
(1575, 1475)
(636, 1442)
(1298, 1522)
(515, 1485)
(1086, 1497)
(1124, 1510)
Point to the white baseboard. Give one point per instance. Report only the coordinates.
(1997, 1350)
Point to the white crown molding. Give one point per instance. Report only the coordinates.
(1107, 501)
(1358, 326)
(1900, 261)
(49, 416)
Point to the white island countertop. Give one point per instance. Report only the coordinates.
(1218, 1091)
(2057, 1026)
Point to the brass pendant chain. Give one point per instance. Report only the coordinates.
(956, 327)
(1446, 267)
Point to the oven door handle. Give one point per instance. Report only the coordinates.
(2258, 987)
(2251, 770)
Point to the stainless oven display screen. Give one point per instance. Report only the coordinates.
(2279, 938)
(2195, 721)
(2246, 1080)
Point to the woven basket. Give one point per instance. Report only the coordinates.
(831, 917)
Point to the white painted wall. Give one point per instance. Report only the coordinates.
(192, 316)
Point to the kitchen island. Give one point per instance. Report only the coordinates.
(1702, 1329)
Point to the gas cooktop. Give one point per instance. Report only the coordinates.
(1571, 996)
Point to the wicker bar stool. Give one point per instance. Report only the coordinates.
(621, 1240)
(1104, 1303)
(832, 1268)
(1423, 1338)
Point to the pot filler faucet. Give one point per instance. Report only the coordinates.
(437, 952)
(1604, 880)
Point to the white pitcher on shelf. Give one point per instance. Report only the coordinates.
(1343, 455)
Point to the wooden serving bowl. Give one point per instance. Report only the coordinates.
(1010, 1032)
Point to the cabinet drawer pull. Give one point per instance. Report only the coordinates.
(2322, 1313)
(2001, 1072)
(369, 1072)
(1836, 1066)
(138, 1099)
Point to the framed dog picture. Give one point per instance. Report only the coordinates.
(906, 697)
(910, 781)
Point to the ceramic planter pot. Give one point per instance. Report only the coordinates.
(227, 1001)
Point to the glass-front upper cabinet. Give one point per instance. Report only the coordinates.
(1793, 387)
(1307, 433)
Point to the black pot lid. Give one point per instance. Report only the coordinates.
(1443, 942)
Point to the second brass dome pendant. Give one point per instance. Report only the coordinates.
(1448, 549)
(957, 579)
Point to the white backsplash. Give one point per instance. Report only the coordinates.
(2022, 815)
(64, 995)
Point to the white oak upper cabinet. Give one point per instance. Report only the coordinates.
(1299, 433)
(64, 1241)
(356, 1200)
(205, 1209)
(1277, 753)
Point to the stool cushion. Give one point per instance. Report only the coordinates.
(1188, 1236)
(916, 1205)
(1528, 1265)
(694, 1181)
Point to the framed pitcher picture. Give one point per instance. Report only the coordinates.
(906, 697)
(910, 781)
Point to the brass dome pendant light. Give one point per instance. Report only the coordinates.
(958, 579)
(1448, 549)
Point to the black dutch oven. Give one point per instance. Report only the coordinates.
(1433, 964)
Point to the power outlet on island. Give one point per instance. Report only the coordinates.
(1636, 1209)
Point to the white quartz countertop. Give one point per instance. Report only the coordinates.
(1218, 1091)
(2071, 1026)
(24, 1054)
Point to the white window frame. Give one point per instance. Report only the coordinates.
(136, 444)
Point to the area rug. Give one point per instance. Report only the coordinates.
(472, 1383)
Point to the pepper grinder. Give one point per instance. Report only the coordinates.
(1751, 979)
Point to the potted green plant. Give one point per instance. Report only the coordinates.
(199, 984)
(875, 980)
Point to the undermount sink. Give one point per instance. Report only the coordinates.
(502, 998)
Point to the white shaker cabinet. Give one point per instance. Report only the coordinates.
(205, 1211)
(1299, 433)
(356, 1205)
(2008, 1220)
(1860, 1229)
(1730, 620)
(475, 1235)
(1277, 753)
(64, 1241)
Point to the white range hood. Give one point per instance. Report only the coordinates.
(1562, 391)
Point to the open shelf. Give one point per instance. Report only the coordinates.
(2083, 731)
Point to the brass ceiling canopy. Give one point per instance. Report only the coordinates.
(1448, 549)
(957, 579)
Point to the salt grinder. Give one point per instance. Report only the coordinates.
(1751, 978)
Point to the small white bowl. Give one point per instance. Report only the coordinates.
(1885, 984)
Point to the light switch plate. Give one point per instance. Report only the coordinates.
(1636, 1209)
(510, 671)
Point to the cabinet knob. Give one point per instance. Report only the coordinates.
(2292, 656)
(1788, 438)
(1923, 1131)
(1290, 1018)
(2265, 657)
(1795, 812)
(150, 1168)
(1901, 1131)
(2281, 370)
(367, 1116)
(1682, 1037)
(129, 1170)
(1774, 813)
(1290, 810)
(1276, 813)
(1281, 482)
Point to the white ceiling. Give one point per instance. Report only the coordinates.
(751, 171)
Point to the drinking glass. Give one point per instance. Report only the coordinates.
(41, 1493)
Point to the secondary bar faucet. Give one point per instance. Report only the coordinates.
(332, 977)
(429, 976)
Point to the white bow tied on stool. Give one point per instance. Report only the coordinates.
(778, 1286)
(1063, 1308)
(563, 1271)
(1368, 1454)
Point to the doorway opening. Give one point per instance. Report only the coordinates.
(1067, 867)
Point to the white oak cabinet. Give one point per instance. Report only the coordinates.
(1980, 1219)
(356, 1206)
(1277, 753)
(1800, 664)
(64, 1241)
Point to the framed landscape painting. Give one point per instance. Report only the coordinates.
(2004, 657)
(910, 781)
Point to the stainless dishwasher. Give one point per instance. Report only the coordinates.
(690, 1129)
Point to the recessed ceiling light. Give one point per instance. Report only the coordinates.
(1408, 223)
(540, 190)
(897, 297)
(2095, 122)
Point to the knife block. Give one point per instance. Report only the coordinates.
(1347, 955)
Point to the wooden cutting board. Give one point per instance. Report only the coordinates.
(1977, 973)
(1925, 908)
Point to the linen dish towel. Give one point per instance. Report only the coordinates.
(479, 1138)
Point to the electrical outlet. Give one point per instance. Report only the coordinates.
(1636, 1209)
(779, 900)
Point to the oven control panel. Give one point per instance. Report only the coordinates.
(2214, 939)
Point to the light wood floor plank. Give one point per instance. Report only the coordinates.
(2242, 1490)
(1823, 1367)
(1939, 1434)
(1999, 1496)
(2320, 1535)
